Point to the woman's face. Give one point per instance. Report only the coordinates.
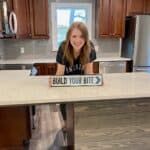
(76, 39)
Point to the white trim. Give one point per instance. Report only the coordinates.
(55, 5)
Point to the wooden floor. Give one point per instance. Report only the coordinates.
(117, 125)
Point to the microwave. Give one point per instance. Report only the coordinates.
(8, 23)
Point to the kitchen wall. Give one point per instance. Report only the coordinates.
(10, 48)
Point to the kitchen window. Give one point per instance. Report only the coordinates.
(63, 14)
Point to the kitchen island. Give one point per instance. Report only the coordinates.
(17, 88)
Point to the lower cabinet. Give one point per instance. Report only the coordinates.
(15, 130)
(50, 69)
(45, 68)
(96, 67)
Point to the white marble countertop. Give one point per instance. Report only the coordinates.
(17, 87)
(32, 61)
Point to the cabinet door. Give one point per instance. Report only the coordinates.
(135, 7)
(39, 18)
(46, 68)
(147, 6)
(111, 18)
(21, 8)
(103, 20)
(9, 5)
(40, 68)
(51, 69)
(96, 67)
(15, 130)
(117, 18)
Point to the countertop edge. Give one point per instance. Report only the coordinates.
(32, 61)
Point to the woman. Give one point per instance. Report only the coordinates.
(76, 54)
(75, 57)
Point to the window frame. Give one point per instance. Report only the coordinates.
(55, 5)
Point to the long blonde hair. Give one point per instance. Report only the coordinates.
(68, 49)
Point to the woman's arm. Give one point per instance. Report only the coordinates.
(88, 68)
(60, 69)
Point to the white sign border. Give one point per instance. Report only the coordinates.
(64, 80)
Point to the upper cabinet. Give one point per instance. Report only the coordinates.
(110, 18)
(32, 18)
(117, 18)
(21, 9)
(102, 17)
(39, 18)
(147, 6)
(137, 7)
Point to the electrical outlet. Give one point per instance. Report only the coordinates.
(22, 50)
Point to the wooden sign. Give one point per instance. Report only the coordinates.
(77, 80)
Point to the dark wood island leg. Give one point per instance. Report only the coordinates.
(70, 125)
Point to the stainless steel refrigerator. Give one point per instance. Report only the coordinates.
(136, 43)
